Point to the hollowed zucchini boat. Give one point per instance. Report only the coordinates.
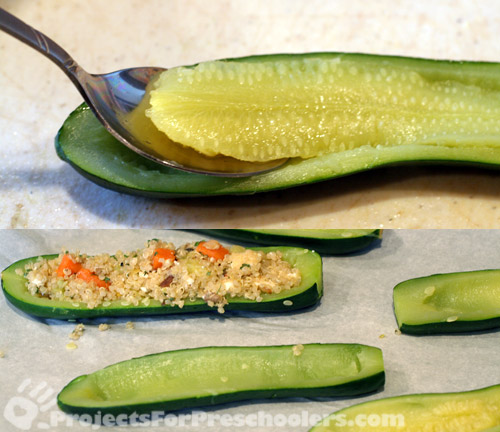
(470, 411)
(190, 378)
(327, 241)
(371, 111)
(449, 302)
(306, 294)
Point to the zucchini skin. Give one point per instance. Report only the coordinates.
(326, 245)
(356, 386)
(362, 386)
(453, 327)
(442, 326)
(428, 405)
(272, 303)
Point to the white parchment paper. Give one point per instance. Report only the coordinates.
(356, 307)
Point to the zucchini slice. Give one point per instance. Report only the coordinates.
(306, 294)
(327, 241)
(384, 111)
(470, 411)
(449, 302)
(190, 378)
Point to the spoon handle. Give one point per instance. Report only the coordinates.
(37, 40)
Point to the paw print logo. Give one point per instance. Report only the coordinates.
(22, 410)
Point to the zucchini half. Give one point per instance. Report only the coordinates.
(190, 378)
(306, 294)
(449, 107)
(327, 241)
(94, 153)
(470, 411)
(449, 302)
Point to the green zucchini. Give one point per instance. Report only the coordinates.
(190, 378)
(470, 411)
(327, 241)
(398, 110)
(306, 294)
(449, 302)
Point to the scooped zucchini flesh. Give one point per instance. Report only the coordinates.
(470, 411)
(212, 375)
(304, 295)
(307, 105)
(449, 302)
(363, 112)
(327, 241)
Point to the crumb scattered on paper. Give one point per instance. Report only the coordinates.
(77, 332)
(103, 327)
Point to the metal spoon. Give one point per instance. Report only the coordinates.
(119, 99)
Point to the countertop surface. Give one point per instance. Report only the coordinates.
(38, 190)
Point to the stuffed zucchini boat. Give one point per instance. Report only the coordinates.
(326, 241)
(174, 380)
(331, 114)
(470, 411)
(161, 279)
(449, 302)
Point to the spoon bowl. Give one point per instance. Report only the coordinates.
(119, 100)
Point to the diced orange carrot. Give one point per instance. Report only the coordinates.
(88, 276)
(68, 263)
(159, 253)
(212, 249)
(85, 274)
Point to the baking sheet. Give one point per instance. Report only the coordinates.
(356, 307)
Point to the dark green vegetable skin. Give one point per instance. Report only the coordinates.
(85, 395)
(94, 153)
(306, 294)
(470, 297)
(453, 327)
(330, 242)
